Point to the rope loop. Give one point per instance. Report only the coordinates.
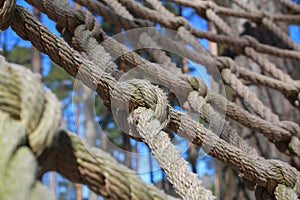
(181, 21)
(292, 127)
(130, 95)
(266, 15)
(226, 62)
(211, 5)
(7, 10)
(251, 41)
(91, 23)
(197, 84)
(284, 174)
(39, 110)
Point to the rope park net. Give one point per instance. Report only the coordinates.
(86, 52)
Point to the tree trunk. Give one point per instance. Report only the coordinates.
(36, 54)
(91, 128)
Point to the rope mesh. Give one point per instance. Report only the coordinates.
(84, 33)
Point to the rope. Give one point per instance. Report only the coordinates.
(266, 173)
(268, 23)
(6, 11)
(227, 133)
(61, 151)
(160, 8)
(238, 43)
(274, 133)
(134, 91)
(201, 6)
(292, 5)
(18, 165)
(186, 183)
(118, 8)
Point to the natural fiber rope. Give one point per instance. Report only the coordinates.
(271, 132)
(186, 183)
(18, 165)
(104, 84)
(227, 133)
(268, 23)
(218, 153)
(253, 16)
(292, 5)
(81, 36)
(6, 12)
(238, 43)
(61, 151)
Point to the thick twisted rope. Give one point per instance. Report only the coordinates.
(271, 68)
(228, 134)
(266, 115)
(291, 5)
(268, 66)
(64, 152)
(218, 153)
(186, 183)
(270, 187)
(201, 6)
(6, 12)
(239, 87)
(193, 191)
(271, 132)
(268, 23)
(237, 43)
(18, 165)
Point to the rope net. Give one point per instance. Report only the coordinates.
(86, 52)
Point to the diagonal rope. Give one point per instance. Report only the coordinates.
(183, 125)
(267, 174)
(268, 23)
(274, 133)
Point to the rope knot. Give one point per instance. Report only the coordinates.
(284, 174)
(129, 95)
(91, 23)
(211, 5)
(197, 84)
(181, 21)
(226, 62)
(250, 41)
(266, 15)
(7, 10)
(292, 127)
(38, 109)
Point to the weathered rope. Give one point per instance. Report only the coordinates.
(186, 183)
(218, 152)
(179, 122)
(237, 43)
(243, 91)
(88, 43)
(274, 133)
(256, 104)
(268, 23)
(18, 165)
(292, 5)
(61, 151)
(6, 12)
(94, 6)
(96, 51)
(249, 51)
(160, 8)
(191, 192)
(118, 8)
(201, 6)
